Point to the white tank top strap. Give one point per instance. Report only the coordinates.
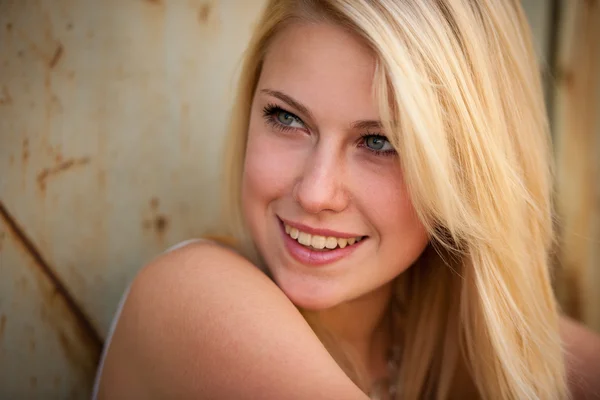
(118, 314)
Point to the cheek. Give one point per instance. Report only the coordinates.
(266, 173)
(387, 204)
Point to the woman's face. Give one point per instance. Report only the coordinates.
(323, 192)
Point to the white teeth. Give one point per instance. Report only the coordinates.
(319, 242)
(294, 233)
(304, 239)
(331, 243)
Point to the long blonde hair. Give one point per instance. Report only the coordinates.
(460, 97)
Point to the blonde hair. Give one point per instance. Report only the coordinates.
(460, 97)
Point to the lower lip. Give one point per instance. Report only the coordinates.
(307, 256)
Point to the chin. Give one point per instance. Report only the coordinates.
(310, 293)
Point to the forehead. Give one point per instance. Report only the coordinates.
(322, 66)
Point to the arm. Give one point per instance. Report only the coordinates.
(583, 359)
(202, 322)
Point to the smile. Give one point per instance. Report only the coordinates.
(318, 247)
(319, 242)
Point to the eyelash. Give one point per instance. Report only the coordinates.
(271, 110)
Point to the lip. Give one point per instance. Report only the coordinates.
(320, 232)
(314, 258)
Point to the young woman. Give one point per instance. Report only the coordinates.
(389, 199)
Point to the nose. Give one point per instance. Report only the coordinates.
(320, 187)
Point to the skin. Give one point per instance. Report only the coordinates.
(319, 171)
(203, 322)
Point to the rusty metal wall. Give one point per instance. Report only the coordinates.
(111, 119)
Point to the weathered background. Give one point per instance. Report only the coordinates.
(111, 119)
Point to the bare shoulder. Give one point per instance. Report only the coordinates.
(203, 322)
(582, 348)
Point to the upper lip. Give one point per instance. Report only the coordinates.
(320, 232)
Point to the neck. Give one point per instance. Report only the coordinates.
(364, 326)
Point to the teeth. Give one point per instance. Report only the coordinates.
(319, 242)
(294, 233)
(331, 243)
(304, 238)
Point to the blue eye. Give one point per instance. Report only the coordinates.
(378, 144)
(285, 118)
(281, 118)
(288, 119)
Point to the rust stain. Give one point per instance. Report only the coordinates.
(33, 382)
(55, 104)
(147, 225)
(566, 76)
(32, 345)
(9, 27)
(71, 352)
(61, 167)
(22, 285)
(161, 223)
(85, 330)
(58, 53)
(157, 2)
(25, 151)
(56, 381)
(11, 159)
(5, 98)
(67, 346)
(154, 203)
(102, 179)
(32, 45)
(2, 325)
(204, 13)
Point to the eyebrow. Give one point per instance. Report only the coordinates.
(364, 124)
